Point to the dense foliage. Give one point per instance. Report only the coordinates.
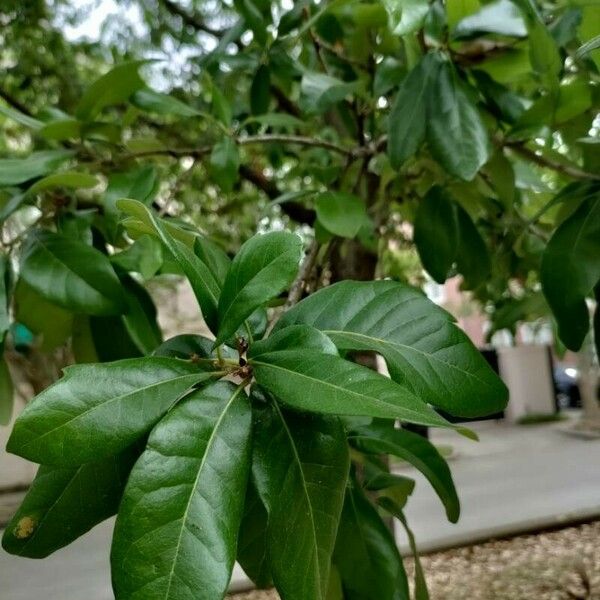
(364, 141)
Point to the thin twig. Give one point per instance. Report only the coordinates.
(549, 163)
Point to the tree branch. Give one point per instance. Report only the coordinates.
(12, 101)
(191, 19)
(549, 163)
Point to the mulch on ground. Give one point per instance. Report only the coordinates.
(555, 565)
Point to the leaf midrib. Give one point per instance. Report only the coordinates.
(345, 390)
(193, 491)
(308, 499)
(104, 404)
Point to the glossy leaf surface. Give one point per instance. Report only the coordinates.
(98, 410)
(176, 532)
(426, 353)
(300, 467)
(264, 267)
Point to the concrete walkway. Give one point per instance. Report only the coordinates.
(515, 479)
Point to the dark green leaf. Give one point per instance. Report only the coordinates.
(340, 213)
(254, 19)
(264, 267)
(252, 551)
(571, 268)
(366, 555)
(140, 317)
(408, 117)
(5, 292)
(177, 528)
(313, 381)
(225, 163)
(420, 590)
(206, 288)
(320, 91)
(416, 450)
(455, 132)
(63, 129)
(294, 337)
(427, 354)
(6, 393)
(472, 258)
(186, 346)
(144, 256)
(436, 233)
(14, 171)
(51, 323)
(64, 503)
(163, 104)
(214, 257)
(300, 466)
(71, 274)
(67, 179)
(112, 88)
(260, 91)
(98, 410)
(138, 184)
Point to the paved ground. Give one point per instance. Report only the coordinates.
(516, 478)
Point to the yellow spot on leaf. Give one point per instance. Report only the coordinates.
(25, 527)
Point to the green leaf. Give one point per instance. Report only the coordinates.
(254, 19)
(176, 532)
(455, 132)
(366, 555)
(6, 393)
(64, 503)
(98, 410)
(214, 257)
(406, 16)
(320, 92)
(19, 117)
(224, 163)
(313, 381)
(293, 337)
(151, 101)
(420, 589)
(300, 466)
(67, 179)
(71, 274)
(252, 553)
(265, 265)
(501, 17)
(571, 268)
(186, 346)
(140, 317)
(436, 233)
(416, 450)
(112, 88)
(61, 130)
(260, 91)
(408, 117)
(588, 47)
(544, 54)
(205, 287)
(144, 256)
(426, 353)
(340, 213)
(14, 171)
(472, 259)
(52, 323)
(5, 292)
(138, 184)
